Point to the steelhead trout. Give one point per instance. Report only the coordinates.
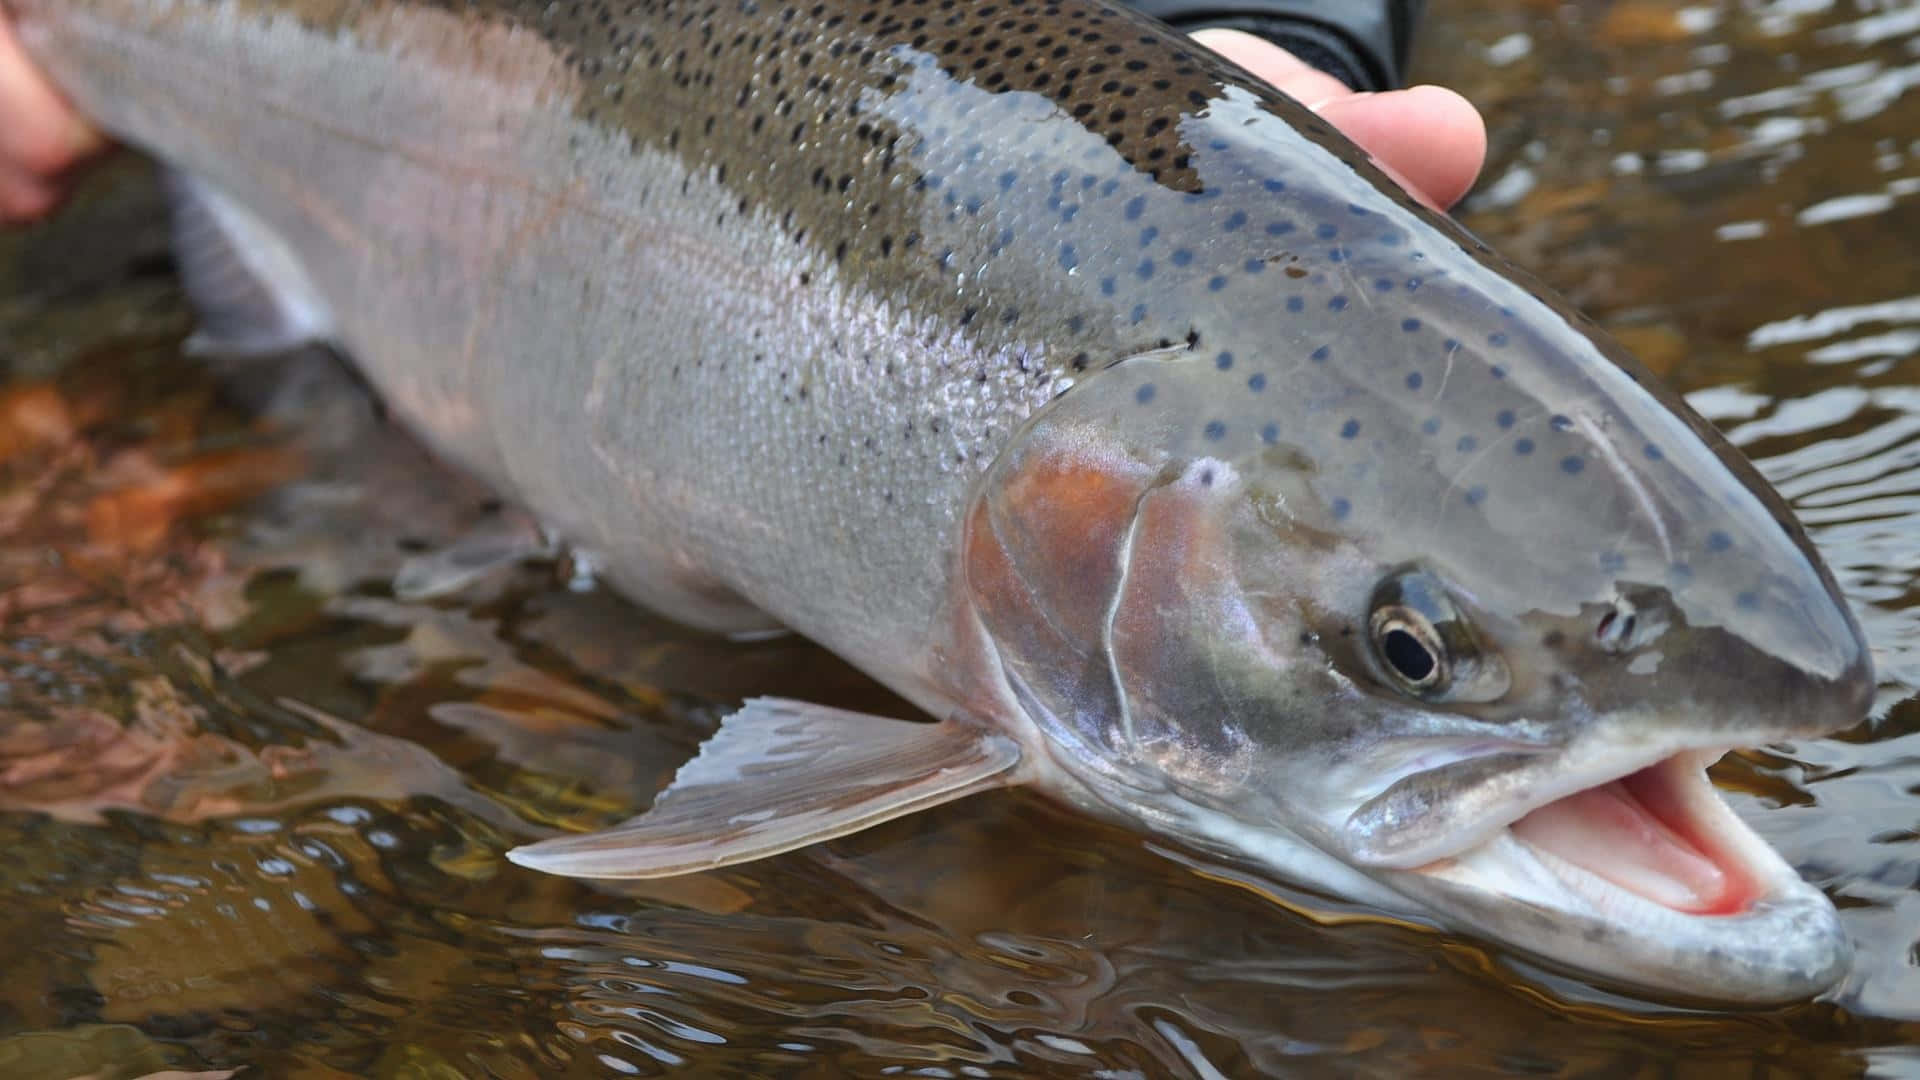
(1101, 401)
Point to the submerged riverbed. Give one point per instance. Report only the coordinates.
(252, 802)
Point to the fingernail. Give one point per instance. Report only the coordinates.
(1324, 102)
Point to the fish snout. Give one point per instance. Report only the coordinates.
(1649, 661)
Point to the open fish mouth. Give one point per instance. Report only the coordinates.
(1648, 878)
(1661, 833)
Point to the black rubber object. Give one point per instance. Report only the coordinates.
(1363, 43)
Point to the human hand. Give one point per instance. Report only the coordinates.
(43, 142)
(1428, 138)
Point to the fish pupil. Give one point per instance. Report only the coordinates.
(1409, 658)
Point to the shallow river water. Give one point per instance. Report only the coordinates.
(252, 802)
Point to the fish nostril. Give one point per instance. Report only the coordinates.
(1616, 628)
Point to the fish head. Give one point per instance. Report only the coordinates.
(1474, 678)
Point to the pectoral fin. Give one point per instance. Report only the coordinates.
(247, 286)
(491, 546)
(780, 775)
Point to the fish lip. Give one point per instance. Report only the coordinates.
(1787, 948)
(1786, 944)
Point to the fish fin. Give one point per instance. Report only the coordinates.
(779, 775)
(488, 547)
(248, 288)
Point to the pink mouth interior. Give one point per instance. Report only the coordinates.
(1638, 833)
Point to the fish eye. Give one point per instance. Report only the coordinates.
(1426, 644)
(1409, 648)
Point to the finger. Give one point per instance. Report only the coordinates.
(1428, 138)
(24, 198)
(1431, 138)
(41, 136)
(1293, 76)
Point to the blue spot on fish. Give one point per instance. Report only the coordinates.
(1234, 221)
(1256, 382)
(1409, 325)
(1523, 447)
(1326, 232)
(1270, 434)
(1149, 234)
(1296, 304)
(1319, 355)
(1476, 495)
(1180, 257)
(1350, 429)
(1572, 465)
(1275, 185)
(1135, 207)
(1279, 228)
(1654, 453)
(1431, 425)
(1504, 418)
(1215, 430)
(1223, 361)
(1559, 422)
(1144, 394)
(1216, 283)
(1338, 303)
(1414, 379)
(1467, 444)
(1718, 541)
(1341, 508)
(1497, 339)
